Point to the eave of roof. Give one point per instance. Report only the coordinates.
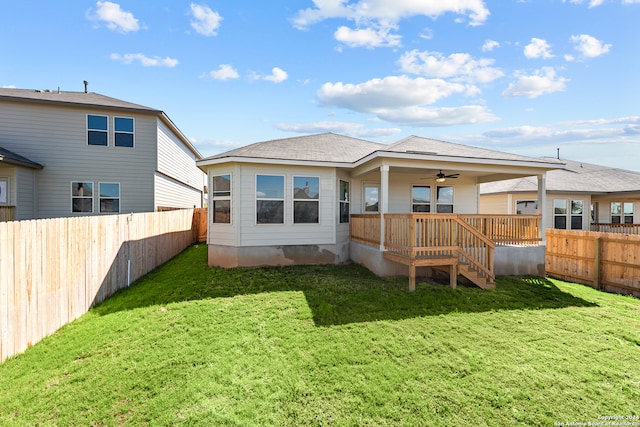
(92, 100)
(9, 157)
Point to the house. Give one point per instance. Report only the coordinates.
(582, 196)
(405, 208)
(81, 153)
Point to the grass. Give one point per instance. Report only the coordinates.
(330, 345)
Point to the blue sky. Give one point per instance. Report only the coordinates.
(526, 77)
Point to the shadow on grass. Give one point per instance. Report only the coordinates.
(336, 294)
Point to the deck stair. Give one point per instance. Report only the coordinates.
(440, 241)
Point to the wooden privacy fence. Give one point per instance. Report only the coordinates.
(608, 261)
(53, 270)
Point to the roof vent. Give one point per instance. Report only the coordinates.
(86, 84)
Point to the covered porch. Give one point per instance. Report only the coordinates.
(462, 244)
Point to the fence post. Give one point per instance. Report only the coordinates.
(596, 262)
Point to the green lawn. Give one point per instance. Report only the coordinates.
(330, 345)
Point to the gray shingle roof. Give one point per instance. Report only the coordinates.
(577, 177)
(10, 157)
(324, 147)
(70, 98)
(417, 144)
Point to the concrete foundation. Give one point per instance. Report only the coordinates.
(519, 261)
(255, 256)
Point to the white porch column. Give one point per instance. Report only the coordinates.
(383, 200)
(542, 206)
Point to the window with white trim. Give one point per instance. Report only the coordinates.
(97, 130)
(123, 132)
(344, 202)
(560, 214)
(371, 198)
(444, 199)
(306, 200)
(221, 198)
(109, 197)
(577, 209)
(621, 213)
(421, 198)
(82, 196)
(269, 199)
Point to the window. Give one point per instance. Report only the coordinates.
(595, 209)
(371, 193)
(560, 214)
(306, 204)
(97, 130)
(628, 213)
(621, 213)
(444, 199)
(344, 202)
(577, 208)
(82, 197)
(221, 199)
(420, 198)
(123, 132)
(269, 199)
(4, 190)
(109, 197)
(526, 207)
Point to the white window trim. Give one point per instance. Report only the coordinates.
(294, 200)
(431, 196)
(229, 197)
(453, 198)
(283, 200)
(93, 208)
(364, 197)
(347, 201)
(119, 198)
(87, 129)
(117, 131)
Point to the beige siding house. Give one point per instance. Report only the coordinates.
(581, 196)
(328, 198)
(89, 154)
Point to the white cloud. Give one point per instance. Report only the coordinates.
(489, 45)
(224, 72)
(115, 18)
(277, 75)
(590, 47)
(145, 61)
(205, 21)
(389, 11)
(449, 116)
(457, 65)
(367, 37)
(345, 128)
(538, 48)
(592, 3)
(389, 92)
(543, 81)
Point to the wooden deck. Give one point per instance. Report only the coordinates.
(7, 213)
(463, 244)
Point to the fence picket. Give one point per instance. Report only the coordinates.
(54, 270)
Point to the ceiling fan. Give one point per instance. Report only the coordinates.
(442, 177)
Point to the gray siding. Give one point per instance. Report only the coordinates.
(56, 136)
(172, 194)
(25, 193)
(177, 161)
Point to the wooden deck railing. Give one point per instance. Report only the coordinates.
(365, 228)
(439, 235)
(616, 228)
(7, 213)
(507, 229)
(500, 229)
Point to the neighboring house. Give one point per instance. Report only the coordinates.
(76, 153)
(329, 198)
(579, 197)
